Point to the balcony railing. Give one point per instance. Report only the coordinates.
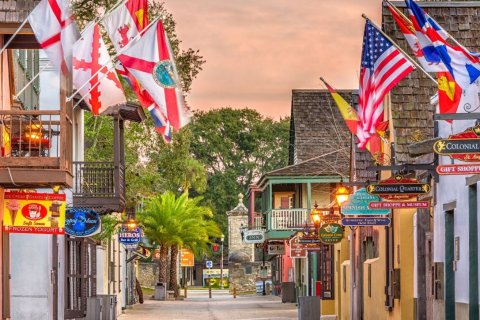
(99, 184)
(287, 219)
(32, 141)
(258, 221)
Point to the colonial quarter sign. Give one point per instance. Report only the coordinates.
(464, 146)
(398, 188)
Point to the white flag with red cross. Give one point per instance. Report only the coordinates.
(54, 27)
(91, 55)
(150, 61)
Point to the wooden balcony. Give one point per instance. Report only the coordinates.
(36, 148)
(99, 185)
(258, 221)
(287, 219)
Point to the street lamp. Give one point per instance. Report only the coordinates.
(222, 238)
(316, 215)
(342, 193)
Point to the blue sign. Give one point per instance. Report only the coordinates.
(365, 221)
(358, 204)
(130, 238)
(209, 264)
(81, 222)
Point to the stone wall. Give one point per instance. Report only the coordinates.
(235, 242)
(243, 276)
(147, 274)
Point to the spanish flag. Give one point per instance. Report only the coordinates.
(374, 144)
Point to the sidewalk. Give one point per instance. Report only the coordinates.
(222, 306)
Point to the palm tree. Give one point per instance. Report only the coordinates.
(173, 222)
(195, 232)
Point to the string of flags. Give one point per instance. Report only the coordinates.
(144, 58)
(384, 64)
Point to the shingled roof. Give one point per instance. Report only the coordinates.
(15, 11)
(411, 109)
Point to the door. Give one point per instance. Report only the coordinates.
(449, 265)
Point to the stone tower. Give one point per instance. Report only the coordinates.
(237, 219)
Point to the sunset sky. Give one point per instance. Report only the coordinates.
(257, 51)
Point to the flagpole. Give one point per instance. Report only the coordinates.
(400, 49)
(14, 35)
(69, 98)
(398, 10)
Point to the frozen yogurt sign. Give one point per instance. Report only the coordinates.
(42, 213)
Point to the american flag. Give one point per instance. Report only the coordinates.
(382, 67)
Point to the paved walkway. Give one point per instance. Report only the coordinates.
(222, 306)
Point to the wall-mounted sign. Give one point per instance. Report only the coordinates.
(398, 188)
(42, 213)
(451, 169)
(130, 238)
(254, 236)
(276, 249)
(331, 233)
(82, 222)
(187, 259)
(365, 222)
(463, 146)
(358, 204)
(399, 205)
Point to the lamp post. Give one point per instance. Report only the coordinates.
(221, 262)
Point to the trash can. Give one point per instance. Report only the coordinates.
(288, 292)
(160, 291)
(309, 308)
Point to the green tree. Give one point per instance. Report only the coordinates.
(236, 147)
(172, 221)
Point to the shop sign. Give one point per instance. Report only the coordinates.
(399, 205)
(463, 146)
(452, 169)
(331, 233)
(254, 236)
(365, 222)
(40, 213)
(82, 222)
(358, 204)
(278, 249)
(398, 188)
(130, 238)
(187, 259)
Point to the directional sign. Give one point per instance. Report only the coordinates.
(254, 236)
(364, 221)
(209, 264)
(398, 204)
(451, 169)
(463, 146)
(358, 204)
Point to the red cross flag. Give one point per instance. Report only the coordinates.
(150, 61)
(91, 55)
(55, 29)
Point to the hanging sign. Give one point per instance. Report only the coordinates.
(464, 146)
(82, 222)
(297, 249)
(42, 213)
(365, 221)
(452, 169)
(254, 236)
(331, 233)
(278, 249)
(398, 188)
(399, 205)
(130, 238)
(358, 204)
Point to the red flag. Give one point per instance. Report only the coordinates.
(449, 93)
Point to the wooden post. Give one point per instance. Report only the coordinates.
(234, 292)
(185, 291)
(209, 288)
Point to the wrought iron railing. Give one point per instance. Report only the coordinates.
(287, 219)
